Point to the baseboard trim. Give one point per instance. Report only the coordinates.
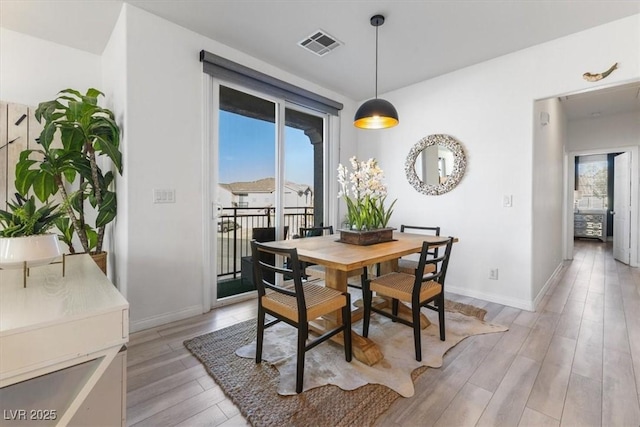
(162, 319)
(511, 302)
(547, 285)
(499, 299)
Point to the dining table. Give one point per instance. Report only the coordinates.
(339, 258)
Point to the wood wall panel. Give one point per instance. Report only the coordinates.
(3, 155)
(35, 129)
(17, 124)
(18, 132)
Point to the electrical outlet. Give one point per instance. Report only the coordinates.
(493, 274)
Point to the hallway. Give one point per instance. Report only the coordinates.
(574, 362)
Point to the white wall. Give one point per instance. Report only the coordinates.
(548, 154)
(114, 86)
(618, 130)
(33, 70)
(164, 150)
(489, 109)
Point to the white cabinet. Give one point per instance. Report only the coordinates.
(59, 338)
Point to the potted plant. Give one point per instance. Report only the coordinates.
(86, 132)
(367, 217)
(24, 236)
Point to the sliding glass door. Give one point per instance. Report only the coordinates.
(267, 180)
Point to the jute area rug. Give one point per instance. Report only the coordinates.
(254, 388)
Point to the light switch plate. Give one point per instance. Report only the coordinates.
(164, 195)
(507, 201)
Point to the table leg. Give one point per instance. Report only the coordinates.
(364, 349)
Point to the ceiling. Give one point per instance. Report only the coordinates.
(419, 40)
(603, 102)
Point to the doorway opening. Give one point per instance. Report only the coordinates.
(604, 122)
(601, 200)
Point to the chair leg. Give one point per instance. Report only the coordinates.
(302, 338)
(394, 307)
(260, 334)
(441, 316)
(346, 321)
(415, 309)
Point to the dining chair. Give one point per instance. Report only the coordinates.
(408, 266)
(315, 231)
(308, 268)
(259, 234)
(291, 302)
(417, 289)
(318, 271)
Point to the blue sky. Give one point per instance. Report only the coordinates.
(247, 151)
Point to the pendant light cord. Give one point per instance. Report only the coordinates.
(377, 61)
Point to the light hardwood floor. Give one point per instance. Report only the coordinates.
(574, 362)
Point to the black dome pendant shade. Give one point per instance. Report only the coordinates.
(376, 113)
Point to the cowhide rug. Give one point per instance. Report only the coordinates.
(325, 364)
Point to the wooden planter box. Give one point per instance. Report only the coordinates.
(368, 237)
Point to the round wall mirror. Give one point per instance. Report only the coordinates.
(435, 165)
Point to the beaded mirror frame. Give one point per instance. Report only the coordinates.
(459, 164)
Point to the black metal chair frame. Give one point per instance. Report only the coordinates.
(260, 267)
(312, 232)
(315, 231)
(436, 231)
(437, 300)
(259, 234)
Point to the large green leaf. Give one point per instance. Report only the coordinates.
(92, 236)
(112, 152)
(73, 92)
(107, 210)
(72, 138)
(108, 179)
(93, 93)
(46, 109)
(44, 185)
(65, 227)
(25, 179)
(46, 136)
(83, 167)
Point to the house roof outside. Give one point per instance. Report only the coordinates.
(265, 185)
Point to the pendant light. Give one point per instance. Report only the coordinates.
(376, 113)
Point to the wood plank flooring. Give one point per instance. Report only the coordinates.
(574, 362)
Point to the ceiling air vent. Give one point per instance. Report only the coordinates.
(320, 43)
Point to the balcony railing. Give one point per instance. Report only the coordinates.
(234, 231)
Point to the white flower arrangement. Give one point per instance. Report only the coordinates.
(365, 193)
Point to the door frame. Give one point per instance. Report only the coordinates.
(210, 160)
(569, 185)
(210, 109)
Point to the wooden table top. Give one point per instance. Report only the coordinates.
(328, 251)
